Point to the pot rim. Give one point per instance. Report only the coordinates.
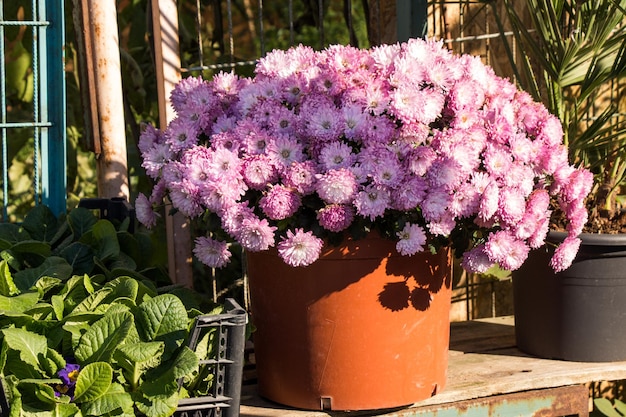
(591, 239)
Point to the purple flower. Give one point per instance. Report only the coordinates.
(565, 253)
(279, 203)
(300, 248)
(145, 212)
(337, 186)
(336, 217)
(68, 375)
(256, 234)
(211, 252)
(411, 240)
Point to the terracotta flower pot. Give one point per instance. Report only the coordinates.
(361, 328)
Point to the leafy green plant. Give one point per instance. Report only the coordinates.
(572, 55)
(117, 348)
(83, 331)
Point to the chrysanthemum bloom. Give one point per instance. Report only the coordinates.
(300, 248)
(211, 252)
(301, 177)
(256, 234)
(336, 155)
(258, 171)
(412, 239)
(279, 202)
(565, 254)
(337, 186)
(372, 201)
(145, 212)
(476, 260)
(503, 248)
(336, 217)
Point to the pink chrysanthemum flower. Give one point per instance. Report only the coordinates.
(301, 177)
(372, 201)
(211, 252)
(279, 202)
(149, 137)
(502, 247)
(284, 150)
(181, 135)
(335, 217)
(233, 216)
(476, 260)
(300, 248)
(183, 89)
(256, 234)
(155, 158)
(259, 171)
(145, 211)
(337, 186)
(336, 155)
(565, 254)
(408, 194)
(411, 240)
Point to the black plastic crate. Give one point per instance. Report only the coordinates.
(226, 364)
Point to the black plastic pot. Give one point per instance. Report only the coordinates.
(578, 314)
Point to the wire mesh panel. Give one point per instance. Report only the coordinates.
(32, 91)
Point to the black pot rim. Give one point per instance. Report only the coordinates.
(591, 239)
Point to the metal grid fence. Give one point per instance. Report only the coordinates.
(32, 91)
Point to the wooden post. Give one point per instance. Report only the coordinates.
(100, 27)
(167, 55)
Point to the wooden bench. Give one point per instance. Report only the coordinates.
(487, 376)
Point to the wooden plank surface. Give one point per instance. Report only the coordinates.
(483, 362)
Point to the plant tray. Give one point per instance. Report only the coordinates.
(226, 365)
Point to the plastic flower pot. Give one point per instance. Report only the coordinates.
(361, 328)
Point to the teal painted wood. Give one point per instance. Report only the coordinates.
(53, 139)
(527, 408)
(412, 19)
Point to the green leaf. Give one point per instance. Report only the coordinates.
(92, 300)
(65, 410)
(104, 241)
(620, 406)
(54, 267)
(141, 352)
(29, 345)
(115, 401)
(104, 336)
(58, 305)
(13, 233)
(122, 287)
(605, 407)
(7, 285)
(32, 247)
(157, 406)
(93, 382)
(81, 221)
(19, 303)
(41, 223)
(79, 256)
(185, 363)
(163, 318)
